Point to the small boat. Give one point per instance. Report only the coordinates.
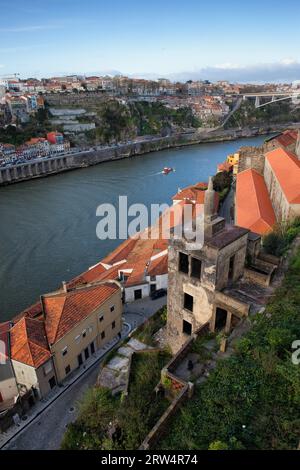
(167, 170)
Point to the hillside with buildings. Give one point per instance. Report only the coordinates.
(223, 315)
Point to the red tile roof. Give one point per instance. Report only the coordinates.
(29, 343)
(191, 192)
(34, 311)
(286, 168)
(195, 193)
(224, 166)
(64, 310)
(287, 138)
(121, 252)
(159, 266)
(253, 205)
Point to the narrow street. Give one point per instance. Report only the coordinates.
(47, 429)
(227, 208)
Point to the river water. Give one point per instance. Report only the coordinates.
(48, 225)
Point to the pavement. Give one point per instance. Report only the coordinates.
(46, 422)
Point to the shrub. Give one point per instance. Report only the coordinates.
(291, 233)
(221, 181)
(253, 394)
(218, 445)
(147, 330)
(277, 241)
(280, 339)
(274, 243)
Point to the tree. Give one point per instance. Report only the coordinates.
(221, 181)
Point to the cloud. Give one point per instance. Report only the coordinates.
(286, 70)
(15, 49)
(29, 29)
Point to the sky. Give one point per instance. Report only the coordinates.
(233, 40)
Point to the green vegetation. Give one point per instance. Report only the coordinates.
(156, 118)
(118, 122)
(146, 331)
(37, 126)
(278, 241)
(251, 400)
(121, 422)
(248, 115)
(222, 184)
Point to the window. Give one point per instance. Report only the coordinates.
(101, 318)
(123, 277)
(231, 267)
(92, 348)
(186, 327)
(52, 382)
(137, 294)
(113, 325)
(188, 302)
(67, 370)
(183, 263)
(196, 268)
(112, 308)
(79, 358)
(77, 339)
(84, 333)
(64, 351)
(90, 329)
(152, 278)
(86, 353)
(152, 288)
(221, 318)
(103, 335)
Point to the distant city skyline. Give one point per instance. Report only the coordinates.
(256, 42)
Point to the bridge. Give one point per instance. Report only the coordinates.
(273, 96)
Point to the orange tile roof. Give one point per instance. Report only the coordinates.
(34, 311)
(287, 138)
(28, 342)
(253, 205)
(190, 192)
(195, 193)
(158, 266)
(225, 166)
(286, 168)
(121, 252)
(64, 310)
(93, 274)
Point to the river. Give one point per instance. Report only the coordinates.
(48, 225)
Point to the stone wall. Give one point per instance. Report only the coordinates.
(161, 425)
(184, 390)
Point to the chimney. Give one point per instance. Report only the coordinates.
(298, 145)
(64, 286)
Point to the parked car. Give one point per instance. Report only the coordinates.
(158, 293)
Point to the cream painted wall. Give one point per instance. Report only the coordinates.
(86, 332)
(129, 292)
(31, 377)
(8, 384)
